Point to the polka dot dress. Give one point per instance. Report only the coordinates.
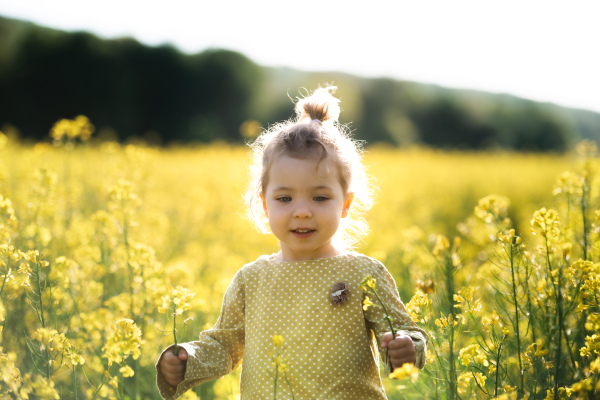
(331, 351)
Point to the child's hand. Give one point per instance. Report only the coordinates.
(401, 350)
(173, 367)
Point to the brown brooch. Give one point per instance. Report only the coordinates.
(340, 293)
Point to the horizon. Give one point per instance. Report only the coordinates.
(542, 51)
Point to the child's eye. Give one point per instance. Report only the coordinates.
(321, 198)
(284, 199)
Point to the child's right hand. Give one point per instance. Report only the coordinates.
(173, 367)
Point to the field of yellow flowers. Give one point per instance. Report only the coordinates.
(107, 250)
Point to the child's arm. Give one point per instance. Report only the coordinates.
(409, 337)
(217, 352)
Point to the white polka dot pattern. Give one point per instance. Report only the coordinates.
(332, 350)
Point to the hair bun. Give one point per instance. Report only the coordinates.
(320, 105)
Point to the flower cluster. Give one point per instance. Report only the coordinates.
(492, 209)
(177, 301)
(71, 129)
(123, 341)
(406, 371)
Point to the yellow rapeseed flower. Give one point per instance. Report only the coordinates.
(407, 370)
(507, 238)
(10, 374)
(568, 183)
(473, 354)
(546, 222)
(114, 382)
(492, 208)
(367, 303)
(49, 339)
(74, 355)
(418, 305)
(441, 244)
(61, 128)
(39, 386)
(368, 283)
(595, 366)
(278, 340)
(592, 322)
(125, 339)
(177, 301)
(592, 346)
(126, 371)
(80, 127)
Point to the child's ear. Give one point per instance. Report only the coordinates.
(264, 203)
(347, 203)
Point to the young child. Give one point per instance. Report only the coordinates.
(310, 186)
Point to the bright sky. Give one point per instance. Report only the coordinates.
(542, 50)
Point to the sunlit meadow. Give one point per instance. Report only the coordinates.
(109, 253)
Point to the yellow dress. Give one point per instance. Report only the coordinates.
(330, 350)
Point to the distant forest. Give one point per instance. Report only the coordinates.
(129, 90)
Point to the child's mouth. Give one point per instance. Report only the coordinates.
(303, 233)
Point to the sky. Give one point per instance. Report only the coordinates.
(540, 50)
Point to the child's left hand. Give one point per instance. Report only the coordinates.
(401, 350)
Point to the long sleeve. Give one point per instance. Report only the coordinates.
(387, 291)
(218, 351)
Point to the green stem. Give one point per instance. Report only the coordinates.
(568, 345)
(483, 337)
(67, 181)
(175, 347)
(289, 385)
(449, 272)
(558, 295)
(387, 315)
(275, 383)
(442, 367)
(529, 304)
(126, 239)
(517, 319)
(39, 284)
(5, 277)
(136, 376)
(101, 384)
(584, 196)
(120, 390)
(560, 325)
(41, 317)
(497, 370)
(75, 380)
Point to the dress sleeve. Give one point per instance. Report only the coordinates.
(218, 351)
(374, 316)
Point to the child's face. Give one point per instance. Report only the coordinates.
(304, 202)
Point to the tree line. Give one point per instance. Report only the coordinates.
(132, 90)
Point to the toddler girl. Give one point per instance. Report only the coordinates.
(309, 186)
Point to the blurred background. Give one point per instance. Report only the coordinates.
(462, 75)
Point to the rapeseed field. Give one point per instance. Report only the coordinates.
(107, 251)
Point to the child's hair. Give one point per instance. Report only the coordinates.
(314, 133)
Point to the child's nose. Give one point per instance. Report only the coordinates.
(302, 211)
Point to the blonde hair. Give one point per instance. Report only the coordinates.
(314, 133)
